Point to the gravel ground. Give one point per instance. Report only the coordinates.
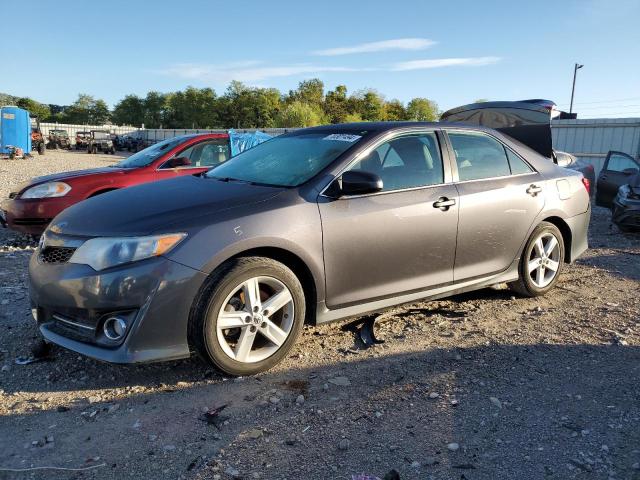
(482, 386)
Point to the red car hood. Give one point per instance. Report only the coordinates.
(63, 176)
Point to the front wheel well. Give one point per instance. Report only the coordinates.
(299, 268)
(566, 235)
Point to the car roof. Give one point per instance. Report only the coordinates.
(385, 126)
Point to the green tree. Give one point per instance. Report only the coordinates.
(336, 105)
(99, 113)
(129, 111)
(394, 111)
(36, 109)
(368, 103)
(422, 110)
(299, 114)
(86, 110)
(154, 109)
(352, 117)
(267, 104)
(310, 92)
(192, 108)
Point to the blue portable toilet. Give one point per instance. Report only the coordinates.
(15, 129)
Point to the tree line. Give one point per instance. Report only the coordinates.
(240, 106)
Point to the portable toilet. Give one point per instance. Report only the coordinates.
(15, 129)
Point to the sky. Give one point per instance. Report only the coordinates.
(453, 52)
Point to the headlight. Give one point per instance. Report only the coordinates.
(101, 253)
(47, 190)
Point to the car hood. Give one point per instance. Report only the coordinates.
(63, 176)
(150, 207)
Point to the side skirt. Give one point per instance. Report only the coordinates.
(325, 315)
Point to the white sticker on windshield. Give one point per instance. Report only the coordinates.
(343, 137)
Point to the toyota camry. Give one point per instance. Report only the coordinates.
(316, 225)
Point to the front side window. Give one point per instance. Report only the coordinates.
(620, 163)
(204, 154)
(478, 156)
(408, 161)
(288, 160)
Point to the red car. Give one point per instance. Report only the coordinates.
(31, 206)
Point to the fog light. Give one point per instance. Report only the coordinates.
(114, 328)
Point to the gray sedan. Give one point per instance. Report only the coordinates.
(313, 226)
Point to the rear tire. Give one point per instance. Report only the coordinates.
(541, 262)
(226, 297)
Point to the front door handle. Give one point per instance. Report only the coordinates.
(443, 203)
(534, 190)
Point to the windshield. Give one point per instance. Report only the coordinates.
(289, 160)
(150, 154)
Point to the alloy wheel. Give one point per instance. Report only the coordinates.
(255, 320)
(544, 260)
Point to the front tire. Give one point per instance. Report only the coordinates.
(248, 315)
(541, 261)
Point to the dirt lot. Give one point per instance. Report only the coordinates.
(484, 386)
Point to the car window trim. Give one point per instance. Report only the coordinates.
(454, 163)
(446, 172)
(187, 147)
(605, 167)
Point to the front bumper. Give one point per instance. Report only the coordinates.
(32, 216)
(626, 213)
(157, 293)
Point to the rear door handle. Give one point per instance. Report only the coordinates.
(534, 190)
(443, 203)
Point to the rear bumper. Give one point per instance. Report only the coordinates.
(32, 216)
(579, 226)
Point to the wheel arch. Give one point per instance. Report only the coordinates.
(297, 265)
(567, 237)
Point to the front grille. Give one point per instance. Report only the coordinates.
(56, 254)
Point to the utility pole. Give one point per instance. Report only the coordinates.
(576, 67)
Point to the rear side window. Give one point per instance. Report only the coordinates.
(407, 161)
(518, 166)
(478, 156)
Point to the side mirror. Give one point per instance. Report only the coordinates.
(179, 162)
(358, 182)
(630, 171)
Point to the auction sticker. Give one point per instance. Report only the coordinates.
(343, 137)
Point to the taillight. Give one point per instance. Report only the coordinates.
(587, 184)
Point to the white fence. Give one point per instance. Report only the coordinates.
(591, 139)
